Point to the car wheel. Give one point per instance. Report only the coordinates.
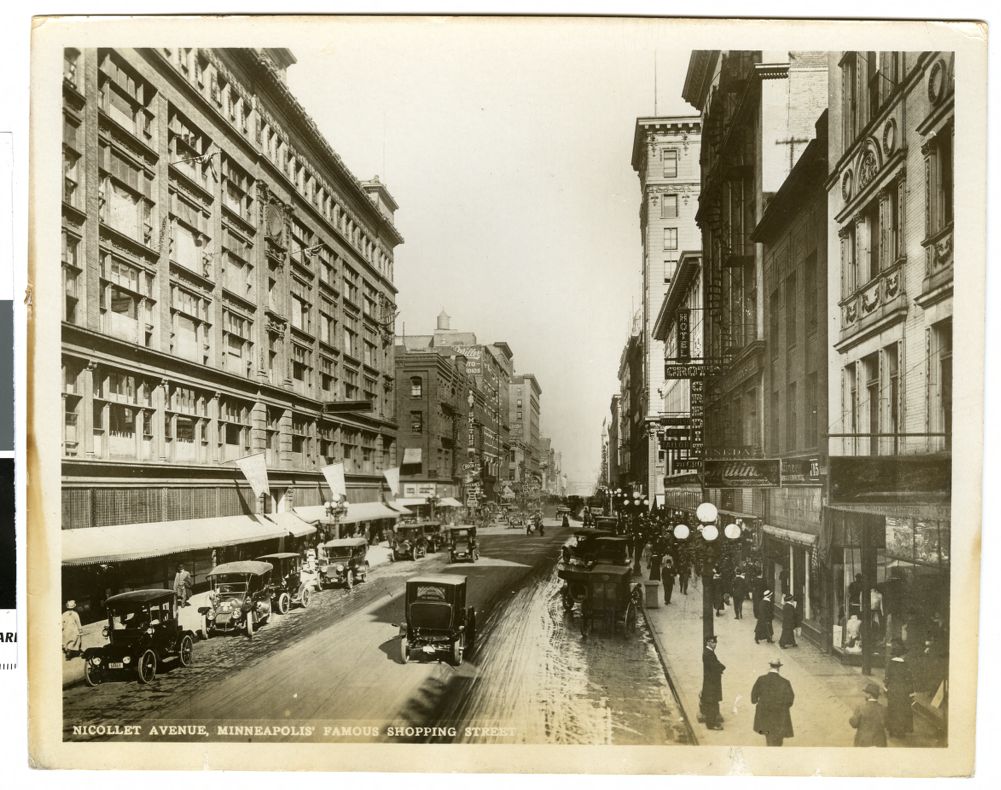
(146, 667)
(471, 631)
(284, 603)
(186, 650)
(457, 650)
(567, 599)
(475, 555)
(630, 624)
(404, 650)
(585, 624)
(304, 597)
(250, 626)
(91, 674)
(451, 556)
(349, 581)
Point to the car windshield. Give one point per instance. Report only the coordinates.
(231, 587)
(339, 554)
(128, 619)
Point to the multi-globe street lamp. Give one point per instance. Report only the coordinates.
(336, 510)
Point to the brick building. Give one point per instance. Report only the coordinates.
(525, 412)
(228, 291)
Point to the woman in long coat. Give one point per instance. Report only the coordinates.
(899, 685)
(790, 621)
(763, 628)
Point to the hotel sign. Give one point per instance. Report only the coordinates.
(698, 371)
(745, 473)
(684, 336)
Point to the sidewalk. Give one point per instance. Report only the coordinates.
(826, 690)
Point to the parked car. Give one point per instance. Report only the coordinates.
(436, 619)
(240, 598)
(409, 542)
(287, 584)
(611, 597)
(462, 544)
(343, 561)
(433, 535)
(142, 632)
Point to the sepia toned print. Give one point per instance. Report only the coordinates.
(280, 509)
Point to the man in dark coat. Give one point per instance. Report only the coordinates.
(667, 577)
(869, 719)
(790, 622)
(683, 574)
(899, 685)
(717, 591)
(712, 686)
(763, 628)
(773, 696)
(739, 595)
(758, 588)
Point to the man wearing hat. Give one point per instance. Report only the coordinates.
(72, 631)
(869, 719)
(773, 696)
(899, 684)
(712, 686)
(763, 628)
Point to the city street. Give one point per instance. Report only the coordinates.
(530, 679)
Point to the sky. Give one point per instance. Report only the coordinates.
(508, 147)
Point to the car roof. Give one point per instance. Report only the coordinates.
(593, 533)
(438, 578)
(344, 542)
(139, 596)
(417, 525)
(610, 539)
(255, 567)
(460, 527)
(281, 555)
(612, 570)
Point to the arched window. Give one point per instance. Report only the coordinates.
(416, 388)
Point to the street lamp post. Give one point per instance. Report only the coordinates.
(336, 510)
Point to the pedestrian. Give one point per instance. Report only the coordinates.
(712, 686)
(869, 719)
(683, 574)
(72, 631)
(667, 577)
(718, 603)
(758, 588)
(566, 520)
(182, 585)
(763, 628)
(739, 595)
(790, 622)
(899, 685)
(654, 562)
(773, 696)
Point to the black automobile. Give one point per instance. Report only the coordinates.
(241, 597)
(287, 587)
(462, 544)
(343, 561)
(142, 632)
(437, 621)
(409, 542)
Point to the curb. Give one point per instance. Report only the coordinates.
(682, 699)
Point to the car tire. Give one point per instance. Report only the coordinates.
(146, 667)
(404, 650)
(451, 556)
(475, 555)
(457, 651)
(91, 674)
(629, 625)
(284, 603)
(349, 582)
(249, 626)
(585, 624)
(304, 597)
(471, 631)
(185, 651)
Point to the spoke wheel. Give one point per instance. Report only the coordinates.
(304, 597)
(349, 582)
(146, 668)
(186, 650)
(91, 674)
(629, 627)
(250, 625)
(284, 603)
(457, 651)
(404, 650)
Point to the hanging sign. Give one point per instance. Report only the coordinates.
(393, 479)
(255, 469)
(334, 475)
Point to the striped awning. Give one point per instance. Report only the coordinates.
(123, 542)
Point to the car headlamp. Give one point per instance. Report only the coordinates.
(96, 661)
(127, 660)
(340, 569)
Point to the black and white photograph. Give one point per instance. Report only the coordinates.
(507, 381)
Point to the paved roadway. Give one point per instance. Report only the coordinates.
(531, 678)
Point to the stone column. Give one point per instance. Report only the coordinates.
(85, 420)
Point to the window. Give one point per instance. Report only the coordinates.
(810, 306)
(873, 238)
(300, 313)
(71, 66)
(773, 323)
(302, 368)
(71, 177)
(849, 261)
(327, 375)
(891, 393)
(668, 206)
(126, 196)
(328, 326)
(416, 387)
(791, 310)
(773, 438)
(188, 147)
(850, 90)
(416, 422)
(669, 158)
(938, 182)
(350, 342)
(791, 417)
(870, 371)
(350, 384)
(71, 272)
(670, 238)
(124, 97)
(940, 381)
(237, 190)
(236, 341)
(811, 413)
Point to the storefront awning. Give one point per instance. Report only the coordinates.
(294, 525)
(368, 511)
(790, 535)
(123, 542)
(738, 514)
(447, 501)
(410, 502)
(412, 455)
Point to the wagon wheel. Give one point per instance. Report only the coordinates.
(146, 667)
(304, 597)
(404, 650)
(91, 674)
(284, 603)
(184, 654)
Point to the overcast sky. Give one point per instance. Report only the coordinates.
(507, 146)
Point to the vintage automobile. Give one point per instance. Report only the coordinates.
(287, 584)
(409, 542)
(609, 595)
(343, 561)
(578, 554)
(241, 597)
(433, 535)
(462, 544)
(436, 619)
(142, 632)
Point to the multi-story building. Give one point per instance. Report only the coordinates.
(793, 235)
(890, 281)
(525, 410)
(666, 159)
(228, 291)
(633, 442)
(759, 111)
(613, 454)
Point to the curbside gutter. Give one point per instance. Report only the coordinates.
(684, 699)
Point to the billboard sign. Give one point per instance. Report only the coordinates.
(744, 473)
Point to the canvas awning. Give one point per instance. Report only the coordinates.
(447, 501)
(294, 525)
(790, 535)
(411, 455)
(359, 511)
(123, 542)
(410, 501)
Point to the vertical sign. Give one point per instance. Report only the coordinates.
(684, 336)
(697, 388)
